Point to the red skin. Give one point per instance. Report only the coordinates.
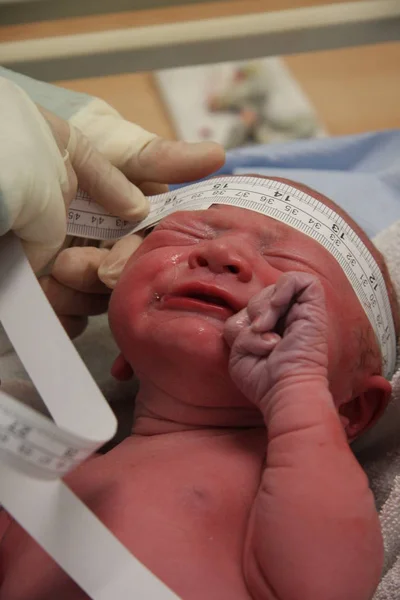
(211, 491)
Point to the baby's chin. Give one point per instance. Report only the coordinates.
(179, 340)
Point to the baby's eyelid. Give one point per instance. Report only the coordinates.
(194, 235)
(204, 233)
(170, 238)
(270, 257)
(197, 231)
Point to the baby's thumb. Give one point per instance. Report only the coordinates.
(234, 325)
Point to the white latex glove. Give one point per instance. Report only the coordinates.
(148, 161)
(142, 156)
(42, 160)
(82, 278)
(81, 281)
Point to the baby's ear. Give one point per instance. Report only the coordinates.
(363, 411)
(121, 369)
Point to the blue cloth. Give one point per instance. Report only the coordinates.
(361, 173)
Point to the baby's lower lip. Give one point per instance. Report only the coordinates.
(188, 304)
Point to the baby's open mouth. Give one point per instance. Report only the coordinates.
(212, 302)
(208, 299)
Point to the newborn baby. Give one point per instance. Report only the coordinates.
(257, 365)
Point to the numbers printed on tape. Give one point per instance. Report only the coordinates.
(281, 202)
(35, 445)
(87, 219)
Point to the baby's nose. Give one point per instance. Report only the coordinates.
(221, 257)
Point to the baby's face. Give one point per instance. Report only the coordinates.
(197, 268)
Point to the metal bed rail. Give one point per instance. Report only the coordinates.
(205, 41)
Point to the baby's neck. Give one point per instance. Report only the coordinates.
(157, 412)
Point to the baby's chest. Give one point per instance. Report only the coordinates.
(183, 514)
(181, 496)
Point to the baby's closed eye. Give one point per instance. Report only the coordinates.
(168, 233)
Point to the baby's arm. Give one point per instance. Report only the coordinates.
(314, 532)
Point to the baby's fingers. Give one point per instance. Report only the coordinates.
(275, 301)
(234, 325)
(303, 287)
(254, 344)
(263, 313)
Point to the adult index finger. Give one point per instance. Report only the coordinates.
(168, 161)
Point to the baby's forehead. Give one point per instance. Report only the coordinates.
(223, 217)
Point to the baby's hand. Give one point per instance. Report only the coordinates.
(280, 338)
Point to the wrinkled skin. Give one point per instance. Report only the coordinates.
(237, 482)
(260, 358)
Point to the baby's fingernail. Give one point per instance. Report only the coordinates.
(274, 293)
(257, 324)
(271, 338)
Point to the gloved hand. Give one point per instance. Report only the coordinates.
(142, 156)
(74, 288)
(43, 159)
(82, 278)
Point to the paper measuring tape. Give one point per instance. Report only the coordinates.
(281, 202)
(34, 452)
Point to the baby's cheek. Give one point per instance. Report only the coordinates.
(121, 369)
(339, 364)
(128, 314)
(120, 312)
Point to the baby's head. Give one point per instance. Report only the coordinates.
(197, 268)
